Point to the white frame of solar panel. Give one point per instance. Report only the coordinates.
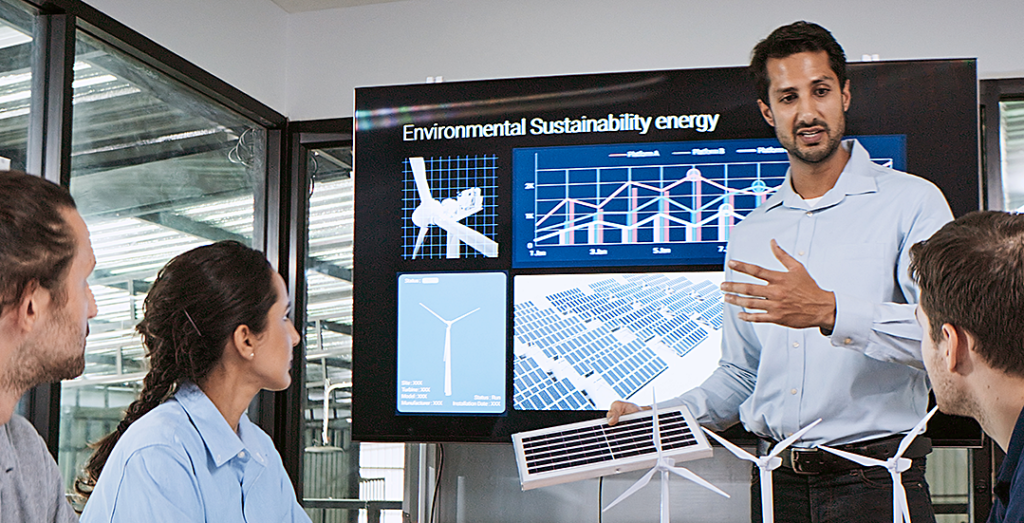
(631, 430)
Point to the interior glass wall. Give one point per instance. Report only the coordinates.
(156, 169)
(16, 49)
(334, 466)
(1011, 145)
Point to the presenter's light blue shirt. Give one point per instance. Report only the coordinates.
(182, 462)
(866, 380)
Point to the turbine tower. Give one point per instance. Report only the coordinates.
(448, 346)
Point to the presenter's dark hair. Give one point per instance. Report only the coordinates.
(36, 242)
(971, 276)
(193, 308)
(791, 39)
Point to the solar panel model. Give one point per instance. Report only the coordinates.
(589, 449)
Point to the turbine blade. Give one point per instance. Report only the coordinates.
(464, 315)
(419, 174)
(789, 441)
(438, 316)
(685, 473)
(919, 428)
(640, 483)
(655, 419)
(474, 239)
(856, 458)
(738, 452)
(419, 241)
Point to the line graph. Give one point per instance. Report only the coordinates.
(684, 203)
(645, 203)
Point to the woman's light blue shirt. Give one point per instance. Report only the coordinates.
(182, 462)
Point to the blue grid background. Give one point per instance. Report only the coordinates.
(447, 176)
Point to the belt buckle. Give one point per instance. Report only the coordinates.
(806, 461)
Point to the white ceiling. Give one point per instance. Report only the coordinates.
(298, 6)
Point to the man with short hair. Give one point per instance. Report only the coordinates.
(794, 352)
(971, 275)
(45, 305)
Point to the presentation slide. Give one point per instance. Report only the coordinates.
(451, 343)
(528, 250)
(583, 341)
(646, 203)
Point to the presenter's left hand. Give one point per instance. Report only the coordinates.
(791, 298)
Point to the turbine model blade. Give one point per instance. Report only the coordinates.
(919, 428)
(657, 427)
(789, 441)
(419, 174)
(856, 458)
(685, 473)
(736, 451)
(474, 239)
(640, 483)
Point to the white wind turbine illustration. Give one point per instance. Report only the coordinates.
(448, 346)
(446, 215)
(665, 465)
(765, 465)
(896, 465)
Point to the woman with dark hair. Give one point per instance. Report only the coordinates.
(216, 331)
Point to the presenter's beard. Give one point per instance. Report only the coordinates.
(817, 154)
(55, 353)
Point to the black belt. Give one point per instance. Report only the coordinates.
(817, 461)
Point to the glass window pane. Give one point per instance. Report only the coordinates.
(1011, 133)
(16, 50)
(156, 170)
(334, 466)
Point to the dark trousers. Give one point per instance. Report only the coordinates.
(859, 495)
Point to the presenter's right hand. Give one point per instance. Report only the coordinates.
(621, 408)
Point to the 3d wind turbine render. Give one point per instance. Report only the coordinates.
(446, 215)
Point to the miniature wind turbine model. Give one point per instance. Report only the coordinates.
(446, 215)
(665, 465)
(448, 346)
(896, 465)
(765, 465)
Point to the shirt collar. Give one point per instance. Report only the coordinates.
(1008, 469)
(856, 178)
(8, 457)
(222, 443)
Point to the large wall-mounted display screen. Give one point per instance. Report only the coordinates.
(529, 250)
